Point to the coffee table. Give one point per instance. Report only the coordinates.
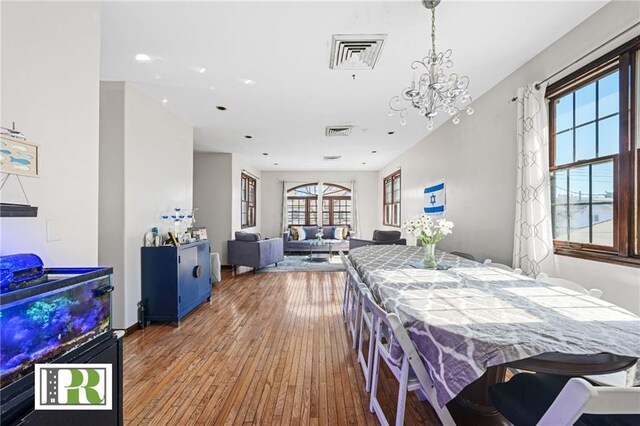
(317, 251)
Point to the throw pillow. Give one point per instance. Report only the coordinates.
(337, 233)
(293, 233)
(328, 232)
(248, 237)
(302, 234)
(311, 232)
(345, 232)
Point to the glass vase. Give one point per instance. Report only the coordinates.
(429, 260)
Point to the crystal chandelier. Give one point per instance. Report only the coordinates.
(434, 90)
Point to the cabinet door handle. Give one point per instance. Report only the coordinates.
(197, 271)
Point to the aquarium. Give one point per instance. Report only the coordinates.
(48, 317)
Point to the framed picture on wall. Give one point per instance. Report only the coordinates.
(18, 157)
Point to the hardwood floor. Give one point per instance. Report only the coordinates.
(270, 348)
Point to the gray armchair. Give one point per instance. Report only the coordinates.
(251, 250)
(379, 238)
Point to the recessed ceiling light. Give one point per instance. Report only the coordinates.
(248, 81)
(212, 88)
(363, 163)
(390, 133)
(374, 152)
(275, 164)
(165, 100)
(143, 57)
(265, 153)
(202, 70)
(248, 136)
(221, 108)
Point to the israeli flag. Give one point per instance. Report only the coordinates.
(434, 198)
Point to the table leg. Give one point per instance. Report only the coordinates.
(475, 397)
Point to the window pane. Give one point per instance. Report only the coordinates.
(586, 142)
(609, 136)
(579, 185)
(387, 191)
(564, 113)
(559, 187)
(602, 203)
(608, 101)
(564, 148)
(579, 223)
(586, 104)
(579, 196)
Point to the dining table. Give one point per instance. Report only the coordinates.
(468, 321)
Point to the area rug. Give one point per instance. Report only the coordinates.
(303, 264)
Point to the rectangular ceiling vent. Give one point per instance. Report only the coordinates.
(355, 51)
(332, 157)
(337, 130)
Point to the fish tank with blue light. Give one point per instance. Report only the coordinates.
(47, 312)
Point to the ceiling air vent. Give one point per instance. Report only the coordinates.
(331, 157)
(337, 130)
(355, 51)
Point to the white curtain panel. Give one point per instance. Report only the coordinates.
(533, 239)
(355, 213)
(284, 221)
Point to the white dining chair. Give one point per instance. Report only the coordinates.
(409, 370)
(355, 305)
(346, 296)
(571, 285)
(366, 327)
(525, 399)
(490, 263)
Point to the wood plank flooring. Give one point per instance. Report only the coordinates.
(270, 348)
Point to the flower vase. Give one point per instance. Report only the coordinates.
(429, 260)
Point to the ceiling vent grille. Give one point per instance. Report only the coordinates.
(332, 157)
(337, 130)
(355, 52)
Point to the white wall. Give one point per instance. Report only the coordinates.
(271, 196)
(478, 160)
(212, 189)
(50, 88)
(216, 194)
(157, 149)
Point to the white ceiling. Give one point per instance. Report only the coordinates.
(284, 47)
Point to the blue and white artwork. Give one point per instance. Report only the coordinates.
(434, 198)
(18, 157)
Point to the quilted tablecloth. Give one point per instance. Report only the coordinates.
(471, 316)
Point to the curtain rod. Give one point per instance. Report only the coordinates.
(247, 172)
(583, 57)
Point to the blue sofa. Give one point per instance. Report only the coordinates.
(249, 249)
(290, 245)
(380, 238)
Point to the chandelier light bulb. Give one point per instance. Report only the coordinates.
(434, 89)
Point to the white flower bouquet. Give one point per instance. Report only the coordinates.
(429, 232)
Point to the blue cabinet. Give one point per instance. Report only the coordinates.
(175, 280)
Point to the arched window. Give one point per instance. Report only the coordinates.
(302, 205)
(336, 205)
